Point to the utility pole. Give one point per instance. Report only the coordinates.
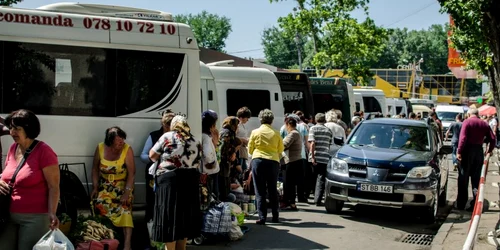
(299, 52)
(414, 71)
(297, 43)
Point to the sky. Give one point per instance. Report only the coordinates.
(250, 17)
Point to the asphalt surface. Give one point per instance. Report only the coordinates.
(357, 227)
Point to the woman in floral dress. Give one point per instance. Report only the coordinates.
(177, 213)
(113, 175)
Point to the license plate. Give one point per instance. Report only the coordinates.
(386, 189)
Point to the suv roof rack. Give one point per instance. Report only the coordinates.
(108, 10)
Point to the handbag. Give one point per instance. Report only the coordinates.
(5, 199)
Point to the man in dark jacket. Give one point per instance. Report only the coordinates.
(473, 134)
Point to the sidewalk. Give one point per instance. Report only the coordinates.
(453, 232)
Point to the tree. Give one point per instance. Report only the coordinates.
(279, 49)
(9, 2)
(405, 46)
(476, 34)
(210, 30)
(338, 39)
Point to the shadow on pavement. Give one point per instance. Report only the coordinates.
(310, 225)
(403, 219)
(272, 238)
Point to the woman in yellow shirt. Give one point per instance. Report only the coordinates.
(265, 145)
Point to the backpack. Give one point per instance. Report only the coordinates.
(72, 193)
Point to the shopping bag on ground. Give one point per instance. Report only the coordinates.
(150, 230)
(54, 240)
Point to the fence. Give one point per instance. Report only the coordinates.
(478, 209)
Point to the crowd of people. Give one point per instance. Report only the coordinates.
(234, 162)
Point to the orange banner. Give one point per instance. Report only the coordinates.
(454, 59)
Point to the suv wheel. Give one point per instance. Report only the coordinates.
(430, 213)
(333, 206)
(442, 196)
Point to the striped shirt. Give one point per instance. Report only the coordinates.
(322, 138)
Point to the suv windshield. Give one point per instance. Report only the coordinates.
(391, 136)
(447, 116)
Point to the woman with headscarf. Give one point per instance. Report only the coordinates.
(152, 139)
(228, 156)
(177, 204)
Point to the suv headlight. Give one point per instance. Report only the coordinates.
(338, 166)
(420, 172)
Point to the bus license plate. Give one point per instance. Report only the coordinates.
(386, 189)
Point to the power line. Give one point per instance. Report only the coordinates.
(412, 14)
(244, 51)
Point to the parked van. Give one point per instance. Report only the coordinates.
(229, 88)
(429, 103)
(396, 106)
(358, 102)
(448, 113)
(82, 80)
(207, 84)
(374, 100)
(422, 109)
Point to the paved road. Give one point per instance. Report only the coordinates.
(358, 227)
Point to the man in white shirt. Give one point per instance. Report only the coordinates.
(337, 130)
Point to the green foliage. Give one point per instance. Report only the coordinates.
(338, 40)
(472, 34)
(405, 46)
(211, 30)
(476, 35)
(9, 2)
(280, 50)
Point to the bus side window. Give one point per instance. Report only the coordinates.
(237, 98)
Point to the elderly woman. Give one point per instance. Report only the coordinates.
(265, 145)
(113, 174)
(177, 202)
(166, 119)
(34, 192)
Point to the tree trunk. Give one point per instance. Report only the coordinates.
(493, 72)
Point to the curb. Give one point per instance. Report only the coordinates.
(444, 230)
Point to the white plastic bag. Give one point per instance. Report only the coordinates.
(235, 233)
(54, 240)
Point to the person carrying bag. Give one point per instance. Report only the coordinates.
(6, 198)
